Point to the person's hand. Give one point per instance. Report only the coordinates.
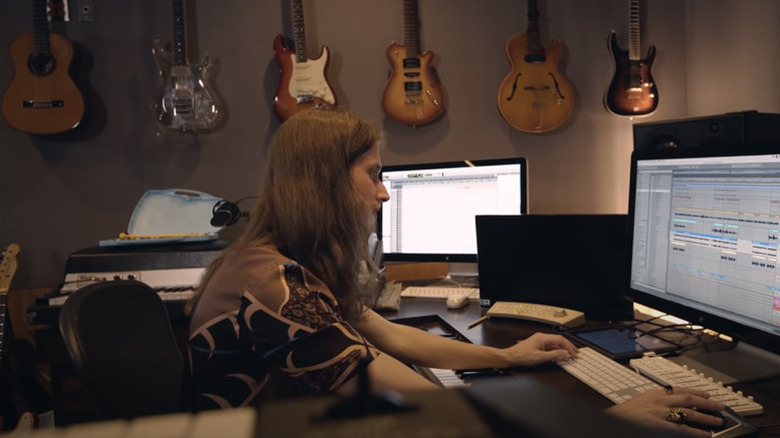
(540, 348)
(652, 407)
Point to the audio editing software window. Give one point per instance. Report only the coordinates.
(433, 210)
(706, 232)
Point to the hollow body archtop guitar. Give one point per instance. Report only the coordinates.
(534, 97)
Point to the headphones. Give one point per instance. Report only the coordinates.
(226, 213)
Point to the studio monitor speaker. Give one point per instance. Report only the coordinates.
(725, 129)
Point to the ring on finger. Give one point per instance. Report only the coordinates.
(676, 415)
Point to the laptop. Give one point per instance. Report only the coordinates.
(575, 261)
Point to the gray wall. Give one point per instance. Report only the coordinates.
(67, 192)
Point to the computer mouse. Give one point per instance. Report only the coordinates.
(729, 417)
(457, 301)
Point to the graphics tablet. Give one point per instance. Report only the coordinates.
(620, 342)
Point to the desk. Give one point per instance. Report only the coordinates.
(71, 407)
(503, 333)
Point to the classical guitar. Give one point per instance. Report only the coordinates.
(413, 95)
(632, 91)
(186, 102)
(534, 97)
(42, 98)
(302, 83)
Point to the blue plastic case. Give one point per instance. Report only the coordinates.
(183, 215)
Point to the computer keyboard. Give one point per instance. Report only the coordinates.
(620, 383)
(609, 378)
(439, 291)
(666, 372)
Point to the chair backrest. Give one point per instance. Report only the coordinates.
(123, 346)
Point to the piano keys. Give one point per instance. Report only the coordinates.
(173, 270)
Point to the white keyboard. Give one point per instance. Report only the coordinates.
(439, 291)
(609, 378)
(666, 372)
(620, 383)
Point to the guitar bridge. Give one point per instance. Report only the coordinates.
(43, 104)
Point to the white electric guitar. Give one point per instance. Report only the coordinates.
(303, 83)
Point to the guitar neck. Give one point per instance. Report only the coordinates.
(3, 324)
(179, 34)
(634, 46)
(534, 42)
(40, 28)
(299, 31)
(411, 29)
(7, 270)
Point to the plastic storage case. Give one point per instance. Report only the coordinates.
(170, 216)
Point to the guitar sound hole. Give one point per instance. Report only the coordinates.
(41, 64)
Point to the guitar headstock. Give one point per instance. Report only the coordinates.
(8, 266)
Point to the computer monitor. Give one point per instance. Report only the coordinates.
(432, 208)
(703, 229)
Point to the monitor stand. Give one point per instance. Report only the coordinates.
(465, 274)
(729, 362)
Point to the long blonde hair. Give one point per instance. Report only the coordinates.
(309, 209)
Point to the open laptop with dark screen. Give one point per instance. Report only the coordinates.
(574, 261)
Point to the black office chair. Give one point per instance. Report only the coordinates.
(124, 349)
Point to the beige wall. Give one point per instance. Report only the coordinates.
(65, 193)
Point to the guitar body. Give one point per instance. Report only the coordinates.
(42, 98)
(413, 95)
(534, 97)
(186, 100)
(302, 84)
(632, 91)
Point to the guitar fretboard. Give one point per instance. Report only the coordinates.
(633, 31)
(40, 28)
(411, 29)
(179, 34)
(299, 31)
(534, 43)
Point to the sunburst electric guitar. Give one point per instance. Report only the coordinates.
(187, 102)
(632, 91)
(42, 98)
(534, 97)
(413, 95)
(302, 83)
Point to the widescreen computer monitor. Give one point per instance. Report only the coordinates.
(703, 238)
(432, 208)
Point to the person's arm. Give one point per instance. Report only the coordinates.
(414, 346)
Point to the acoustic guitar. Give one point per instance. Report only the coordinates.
(413, 95)
(42, 98)
(303, 83)
(187, 101)
(632, 91)
(534, 97)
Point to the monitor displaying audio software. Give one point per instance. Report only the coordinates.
(432, 208)
(704, 225)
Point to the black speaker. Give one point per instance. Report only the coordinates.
(725, 129)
